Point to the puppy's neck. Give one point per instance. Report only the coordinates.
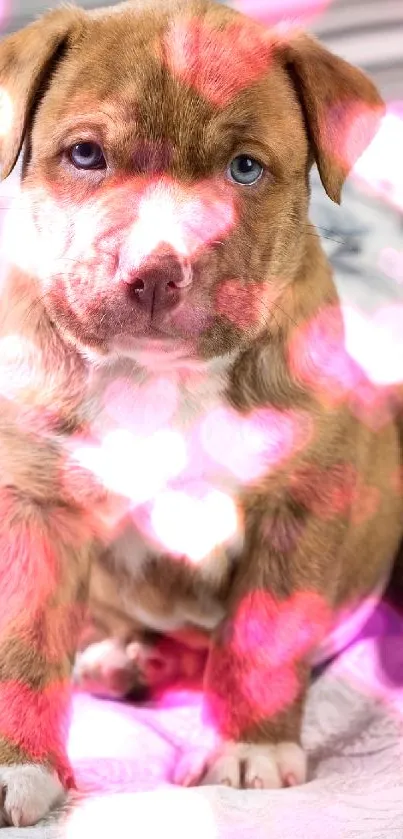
(261, 374)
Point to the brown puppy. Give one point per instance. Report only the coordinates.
(178, 403)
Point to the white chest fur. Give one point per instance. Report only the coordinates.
(158, 434)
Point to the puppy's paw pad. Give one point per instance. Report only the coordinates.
(105, 669)
(244, 766)
(27, 793)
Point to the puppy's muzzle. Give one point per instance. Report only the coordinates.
(159, 285)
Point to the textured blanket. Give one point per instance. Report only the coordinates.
(123, 757)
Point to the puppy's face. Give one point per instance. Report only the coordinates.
(166, 170)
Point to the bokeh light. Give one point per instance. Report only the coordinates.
(277, 10)
(174, 814)
(193, 525)
(6, 108)
(259, 661)
(218, 64)
(137, 468)
(390, 261)
(375, 342)
(379, 169)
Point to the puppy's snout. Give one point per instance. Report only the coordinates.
(159, 284)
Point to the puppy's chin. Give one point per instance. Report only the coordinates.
(156, 351)
(153, 352)
(102, 330)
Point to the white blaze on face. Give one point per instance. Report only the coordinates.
(184, 219)
(157, 223)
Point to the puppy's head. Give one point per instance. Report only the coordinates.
(165, 171)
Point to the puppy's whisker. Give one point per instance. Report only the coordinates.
(287, 315)
(328, 238)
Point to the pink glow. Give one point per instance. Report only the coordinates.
(317, 356)
(277, 10)
(252, 446)
(193, 524)
(134, 467)
(376, 343)
(379, 168)
(172, 814)
(217, 64)
(245, 306)
(344, 355)
(354, 121)
(142, 410)
(335, 491)
(19, 367)
(391, 263)
(6, 105)
(280, 632)
(20, 710)
(170, 479)
(374, 666)
(6, 9)
(253, 675)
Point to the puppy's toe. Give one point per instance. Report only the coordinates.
(244, 766)
(224, 770)
(27, 793)
(272, 767)
(105, 669)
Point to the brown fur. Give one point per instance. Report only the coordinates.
(108, 75)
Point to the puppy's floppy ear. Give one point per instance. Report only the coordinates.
(341, 106)
(26, 58)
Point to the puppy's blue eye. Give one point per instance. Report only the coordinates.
(87, 155)
(245, 170)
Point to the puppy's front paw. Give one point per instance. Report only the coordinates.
(244, 766)
(27, 793)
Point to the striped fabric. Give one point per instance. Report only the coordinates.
(368, 33)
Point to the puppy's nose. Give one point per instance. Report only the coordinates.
(158, 285)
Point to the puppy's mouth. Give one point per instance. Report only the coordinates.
(156, 308)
